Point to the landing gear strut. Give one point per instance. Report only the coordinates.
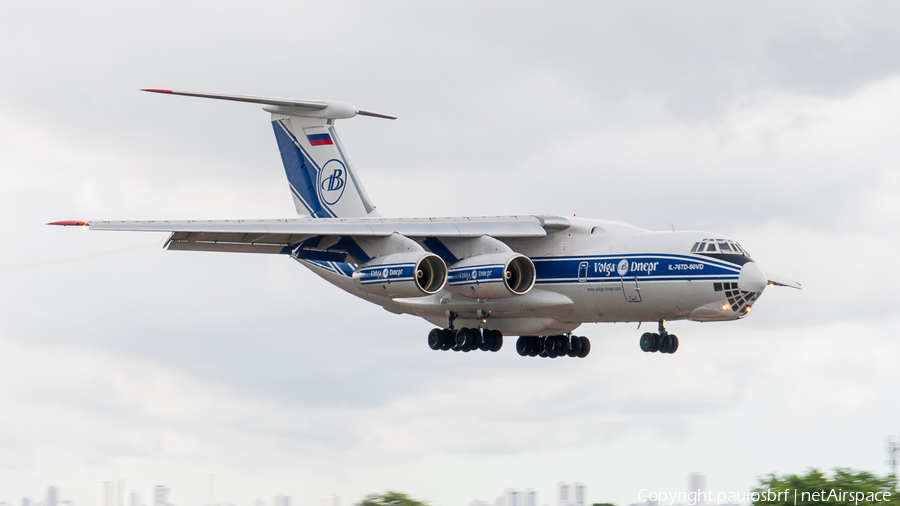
(662, 342)
(553, 346)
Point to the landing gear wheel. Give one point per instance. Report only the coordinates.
(647, 342)
(674, 346)
(585, 347)
(542, 346)
(464, 340)
(473, 339)
(436, 339)
(522, 346)
(534, 346)
(552, 346)
(564, 346)
(665, 342)
(656, 343)
(487, 339)
(574, 347)
(448, 339)
(498, 341)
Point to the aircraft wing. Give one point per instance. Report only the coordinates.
(285, 236)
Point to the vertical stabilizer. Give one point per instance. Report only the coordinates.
(320, 176)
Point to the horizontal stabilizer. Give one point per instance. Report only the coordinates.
(307, 108)
(780, 281)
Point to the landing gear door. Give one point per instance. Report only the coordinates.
(631, 289)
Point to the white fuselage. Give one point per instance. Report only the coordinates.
(593, 271)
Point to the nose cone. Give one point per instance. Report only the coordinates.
(752, 278)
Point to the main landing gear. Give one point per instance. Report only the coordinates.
(554, 346)
(662, 342)
(465, 339)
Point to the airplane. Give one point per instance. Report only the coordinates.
(477, 278)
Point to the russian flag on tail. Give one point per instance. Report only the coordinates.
(319, 139)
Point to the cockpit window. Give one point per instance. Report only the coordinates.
(719, 246)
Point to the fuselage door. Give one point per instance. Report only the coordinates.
(582, 272)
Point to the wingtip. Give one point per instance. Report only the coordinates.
(69, 223)
(156, 90)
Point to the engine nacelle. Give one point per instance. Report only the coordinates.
(412, 274)
(492, 276)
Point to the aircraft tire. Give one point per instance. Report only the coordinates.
(585, 347)
(656, 342)
(665, 342)
(542, 346)
(534, 346)
(674, 347)
(487, 340)
(461, 339)
(498, 341)
(473, 339)
(646, 342)
(522, 347)
(447, 343)
(436, 339)
(564, 346)
(551, 345)
(575, 347)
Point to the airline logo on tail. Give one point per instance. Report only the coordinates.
(331, 181)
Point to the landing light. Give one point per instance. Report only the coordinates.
(747, 309)
(724, 307)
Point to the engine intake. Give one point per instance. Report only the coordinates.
(492, 276)
(413, 274)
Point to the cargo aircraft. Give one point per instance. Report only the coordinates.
(477, 278)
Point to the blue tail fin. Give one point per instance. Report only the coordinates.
(321, 179)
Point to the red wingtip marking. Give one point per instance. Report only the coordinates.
(69, 223)
(153, 90)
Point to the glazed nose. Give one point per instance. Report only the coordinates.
(752, 278)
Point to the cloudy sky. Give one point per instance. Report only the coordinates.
(775, 124)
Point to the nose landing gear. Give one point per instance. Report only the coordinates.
(662, 342)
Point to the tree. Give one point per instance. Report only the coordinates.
(603, 504)
(390, 499)
(846, 488)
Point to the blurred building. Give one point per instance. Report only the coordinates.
(697, 486)
(107, 493)
(570, 494)
(160, 495)
(281, 500)
(331, 500)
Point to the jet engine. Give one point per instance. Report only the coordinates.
(410, 274)
(492, 276)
